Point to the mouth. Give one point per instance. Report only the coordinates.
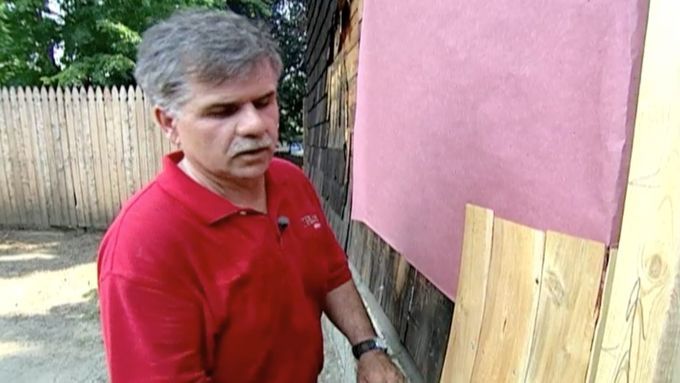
(253, 152)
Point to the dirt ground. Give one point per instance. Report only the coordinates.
(49, 325)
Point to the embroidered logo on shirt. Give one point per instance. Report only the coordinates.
(311, 220)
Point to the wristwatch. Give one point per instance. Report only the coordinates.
(369, 345)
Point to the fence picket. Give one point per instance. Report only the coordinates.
(94, 126)
(8, 208)
(44, 159)
(70, 157)
(70, 134)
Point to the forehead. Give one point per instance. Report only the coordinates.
(259, 81)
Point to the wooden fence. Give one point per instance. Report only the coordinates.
(70, 157)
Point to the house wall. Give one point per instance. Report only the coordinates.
(419, 313)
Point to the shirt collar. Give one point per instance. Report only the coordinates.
(209, 206)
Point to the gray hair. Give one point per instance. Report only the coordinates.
(208, 46)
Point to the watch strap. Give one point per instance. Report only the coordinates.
(368, 345)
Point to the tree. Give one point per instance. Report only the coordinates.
(94, 42)
(288, 26)
(28, 36)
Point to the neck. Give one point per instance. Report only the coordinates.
(244, 193)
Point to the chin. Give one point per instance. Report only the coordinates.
(251, 171)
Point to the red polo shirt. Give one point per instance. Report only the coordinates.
(195, 289)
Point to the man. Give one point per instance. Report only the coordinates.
(219, 269)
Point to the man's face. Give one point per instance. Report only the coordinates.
(230, 130)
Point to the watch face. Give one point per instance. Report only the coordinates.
(380, 343)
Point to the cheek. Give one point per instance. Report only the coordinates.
(207, 135)
(273, 121)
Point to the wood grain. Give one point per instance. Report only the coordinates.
(64, 170)
(7, 209)
(510, 307)
(636, 345)
(567, 309)
(44, 159)
(69, 122)
(472, 285)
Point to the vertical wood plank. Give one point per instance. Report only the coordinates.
(61, 168)
(89, 153)
(15, 143)
(601, 323)
(511, 304)
(36, 165)
(28, 179)
(38, 162)
(134, 179)
(156, 138)
(472, 285)
(152, 139)
(129, 148)
(67, 180)
(117, 168)
(142, 139)
(642, 316)
(121, 104)
(51, 161)
(567, 309)
(96, 123)
(69, 138)
(47, 187)
(7, 210)
(104, 107)
(78, 117)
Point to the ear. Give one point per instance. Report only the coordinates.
(167, 122)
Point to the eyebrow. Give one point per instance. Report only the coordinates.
(232, 104)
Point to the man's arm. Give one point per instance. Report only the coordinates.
(346, 310)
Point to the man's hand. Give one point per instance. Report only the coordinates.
(376, 367)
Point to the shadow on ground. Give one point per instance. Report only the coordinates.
(49, 320)
(63, 345)
(25, 252)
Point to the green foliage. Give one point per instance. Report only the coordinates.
(288, 26)
(93, 42)
(28, 36)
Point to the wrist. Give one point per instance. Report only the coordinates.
(370, 345)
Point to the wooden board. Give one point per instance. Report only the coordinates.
(605, 298)
(135, 176)
(154, 137)
(7, 209)
(101, 157)
(142, 140)
(26, 179)
(510, 307)
(117, 167)
(69, 137)
(469, 309)
(106, 130)
(637, 346)
(43, 160)
(79, 114)
(55, 208)
(67, 174)
(64, 167)
(14, 143)
(75, 113)
(567, 309)
(37, 148)
(123, 165)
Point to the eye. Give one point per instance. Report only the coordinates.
(264, 102)
(222, 111)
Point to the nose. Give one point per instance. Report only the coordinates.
(251, 122)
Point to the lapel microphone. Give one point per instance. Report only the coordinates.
(282, 222)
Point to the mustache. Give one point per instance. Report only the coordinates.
(243, 146)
